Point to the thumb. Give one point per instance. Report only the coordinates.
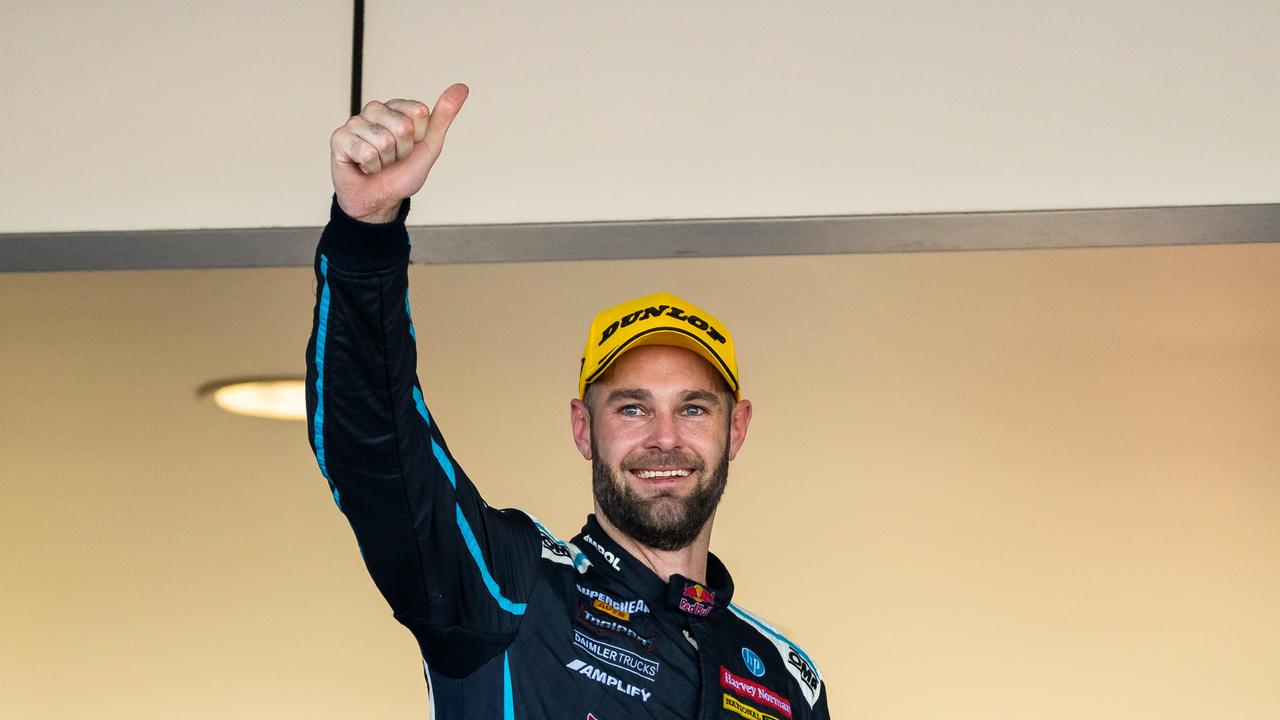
(442, 115)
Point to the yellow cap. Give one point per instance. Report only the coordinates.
(661, 319)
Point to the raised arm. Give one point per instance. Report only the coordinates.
(455, 572)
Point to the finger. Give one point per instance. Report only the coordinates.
(416, 111)
(396, 123)
(351, 149)
(442, 115)
(376, 135)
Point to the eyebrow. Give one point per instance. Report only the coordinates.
(628, 394)
(642, 395)
(703, 395)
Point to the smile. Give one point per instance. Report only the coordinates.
(650, 474)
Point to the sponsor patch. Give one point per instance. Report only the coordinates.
(745, 710)
(628, 606)
(608, 680)
(694, 608)
(755, 691)
(755, 665)
(697, 593)
(608, 556)
(617, 657)
(697, 600)
(803, 671)
(554, 551)
(610, 625)
(608, 609)
(560, 552)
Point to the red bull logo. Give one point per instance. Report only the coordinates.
(697, 600)
(699, 594)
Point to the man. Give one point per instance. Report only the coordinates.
(632, 618)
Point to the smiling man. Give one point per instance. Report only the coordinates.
(633, 617)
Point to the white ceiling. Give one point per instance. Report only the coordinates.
(140, 115)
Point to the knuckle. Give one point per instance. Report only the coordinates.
(372, 106)
(365, 153)
(379, 136)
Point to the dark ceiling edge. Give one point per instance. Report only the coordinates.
(538, 242)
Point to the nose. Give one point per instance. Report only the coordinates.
(663, 433)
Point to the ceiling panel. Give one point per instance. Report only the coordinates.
(605, 111)
(127, 114)
(137, 115)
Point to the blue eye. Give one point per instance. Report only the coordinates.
(695, 410)
(630, 410)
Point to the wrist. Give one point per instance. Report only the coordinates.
(380, 216)
(357, 245)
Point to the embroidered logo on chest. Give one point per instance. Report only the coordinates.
(611, 625)
(754, 691)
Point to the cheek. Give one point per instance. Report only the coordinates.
(610, 445)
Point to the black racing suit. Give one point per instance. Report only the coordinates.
(512, 623)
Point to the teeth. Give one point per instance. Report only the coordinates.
(647, 474)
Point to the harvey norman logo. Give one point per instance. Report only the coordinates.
(617, 657)
(608, 680)
(755, 691)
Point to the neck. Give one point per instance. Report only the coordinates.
(689, 561)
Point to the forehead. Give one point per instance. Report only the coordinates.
(661, 366)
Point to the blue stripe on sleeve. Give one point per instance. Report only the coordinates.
(412, 333)
(421, 405)
(445, 465)
(468, 536)
(508, 697)
(322, 330)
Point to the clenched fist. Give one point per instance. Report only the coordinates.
(383, 155)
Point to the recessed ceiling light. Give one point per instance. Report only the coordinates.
(276, 398)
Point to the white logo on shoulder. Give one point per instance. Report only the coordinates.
(558, 551)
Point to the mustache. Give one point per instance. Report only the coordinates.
(667, 459)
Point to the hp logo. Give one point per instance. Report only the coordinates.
(754, 664)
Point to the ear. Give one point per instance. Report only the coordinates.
(580, 424)
(738, 424)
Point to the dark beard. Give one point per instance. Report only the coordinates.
(641, 520)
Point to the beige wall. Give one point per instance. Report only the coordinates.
(1045, 484)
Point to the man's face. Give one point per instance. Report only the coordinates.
(660, 432)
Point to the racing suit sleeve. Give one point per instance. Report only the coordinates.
(456, 572)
